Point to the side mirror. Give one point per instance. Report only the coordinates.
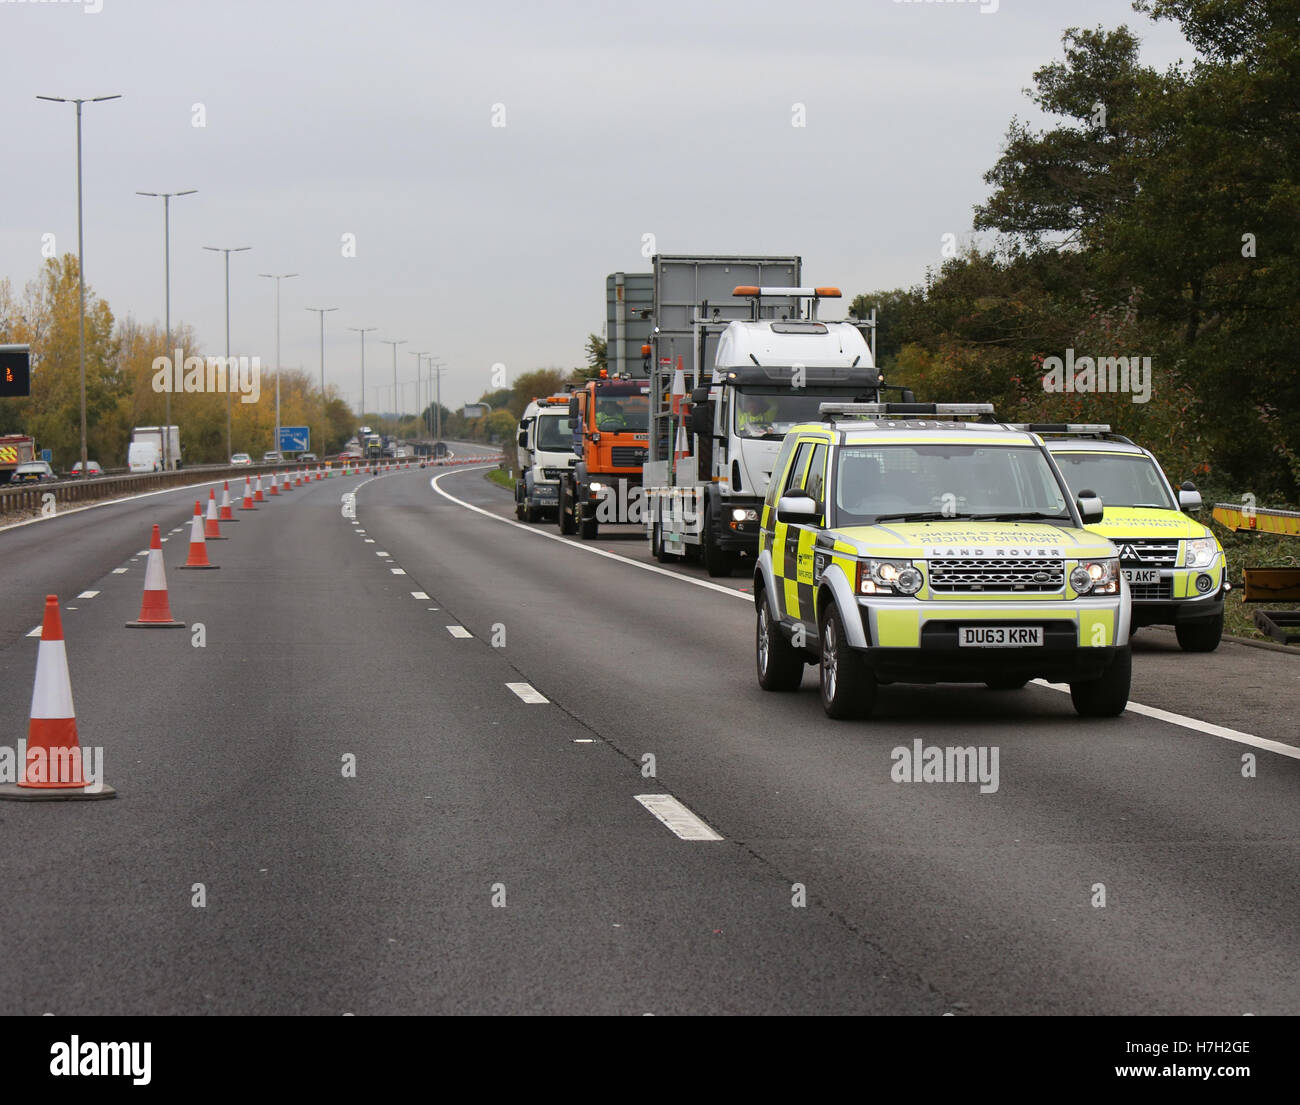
(573, 410)
(1188, 497)
(1091, 508)
(798, 508)
(701, 420)
(700, 394)
(523, 437)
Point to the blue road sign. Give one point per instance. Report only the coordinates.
(294, 439)
(47, 455)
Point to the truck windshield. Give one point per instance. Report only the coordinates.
(771, 414)
(1117, 478)
(932, 482)
(622, 413)
(553, 433)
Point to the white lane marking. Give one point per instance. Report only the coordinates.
(677, 817)
(87, 594)
(370, 540)
(583, 740)
(574, 545)
(35, 632)
(119, 571)
(1195, 724)
(398, 571)
(383, 554)
(143, 552)
(177, 529)
(528, 693)
(419, 595)
(459, 631)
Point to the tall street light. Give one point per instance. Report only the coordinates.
(419, 378)
(230, 448)
(394, 344)
(166, 197)
(277, 277)
(437, 372)
(363, 331)
(81, 266)
(322, 311)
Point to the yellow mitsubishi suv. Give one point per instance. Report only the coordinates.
(927, 543)
(1174, 566)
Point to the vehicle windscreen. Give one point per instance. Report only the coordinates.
(771, 413)
(901, 483)
(553, 433)
(622, 413)
(1118, 479)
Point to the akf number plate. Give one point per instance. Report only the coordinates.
(1000, 636)
(1142, 575)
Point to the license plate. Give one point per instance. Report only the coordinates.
(544, 493)
(1000, 636)
(1142, 575)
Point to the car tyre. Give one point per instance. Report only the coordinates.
(780, 666)
(1108, 695)
(1202, 635)
(848, 685)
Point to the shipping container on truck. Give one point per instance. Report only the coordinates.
(170, 451)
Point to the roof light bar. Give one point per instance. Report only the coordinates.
(1061, 427)
(748, 291)
(894, 410)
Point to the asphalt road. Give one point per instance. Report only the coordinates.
(491, 854)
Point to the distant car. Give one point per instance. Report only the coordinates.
(307, 458)
(241, 458)
(92, 469)
(272, 458)
(33, 471)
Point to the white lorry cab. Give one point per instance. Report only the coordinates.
(545, 453)
(769, 374)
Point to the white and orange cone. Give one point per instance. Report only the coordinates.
(247, 504)
(258, 497)
(50, 765)
(155, 610)
(198, 548)
(275, 484)
(211, 526)
(227, 512)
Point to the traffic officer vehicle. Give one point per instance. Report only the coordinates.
(901, 542)
(1175, 566)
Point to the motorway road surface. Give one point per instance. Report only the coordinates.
(491, 854)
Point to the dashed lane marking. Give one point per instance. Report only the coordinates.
(677, 817)
(35, 632)
(87, 594)
(528, 693)
(454, 630)
(419, 595)
(398, 571)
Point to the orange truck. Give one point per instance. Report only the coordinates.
(610, 420)
(15, 449)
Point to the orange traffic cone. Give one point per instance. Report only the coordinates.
(155, 610)
(198, 549)
(49, 765)
(211, 526)
(258, 497)
(247, 504)
(227, 514)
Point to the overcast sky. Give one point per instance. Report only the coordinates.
(486, 243)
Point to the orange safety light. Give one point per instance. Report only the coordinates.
(604, 373)
(827, 293)
(645, 351)
(745, 289)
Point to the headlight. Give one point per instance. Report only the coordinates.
(742, 515)
(887, 577)
(1201, 552)
(596, 486)
(1096, 577)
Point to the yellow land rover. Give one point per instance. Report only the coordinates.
(1174, 566)
(926, 543)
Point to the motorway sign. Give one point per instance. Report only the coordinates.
(294, 439)
(15, 370)
(47, 455)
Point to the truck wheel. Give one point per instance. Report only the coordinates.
(1202, 635)
(1107, 696)
(780, 667)
(563, 516)
(532, 513)
(590, 527)
(716, 562)
(848, 686)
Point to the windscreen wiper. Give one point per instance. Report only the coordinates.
(1016, 515)
(921, 516)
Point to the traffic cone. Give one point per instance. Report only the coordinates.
(297, 478)
(227, 514)
(49, 766)
(275, 483)
(258, 497)
(211, 528)
(198, 549)
(155, 610)
(248, 495)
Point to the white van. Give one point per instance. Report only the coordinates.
(143, 456)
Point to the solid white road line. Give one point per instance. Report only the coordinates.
(454, 630)
(528, 693)
(87, 594)
(677, 817)
(419, 595)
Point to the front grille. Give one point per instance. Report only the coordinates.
(1146, 552)
(1162, 590)
(552, 473)
(953, 575)
(627, 456)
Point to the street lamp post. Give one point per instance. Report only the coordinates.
(394, 344)
(419, 358)
(437, 373)
(81, 267)
(322, 311)
(230, 448)
(363, 330)
(277, 277)
(166, 197)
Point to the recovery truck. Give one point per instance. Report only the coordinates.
(545, 445)
(15, 449)
(754, 360)
(609, 419)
